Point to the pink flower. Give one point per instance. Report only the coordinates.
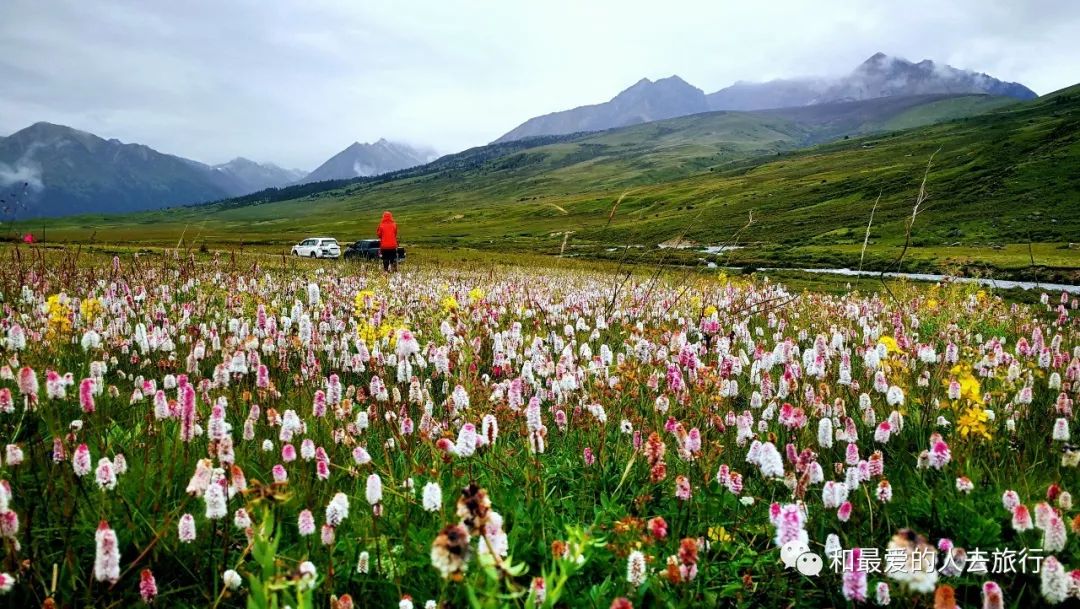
(881, 596)
(81, 461)
(279, 473)
(1021, 519)
(9, 523)
(844, 513)
(326, 535)
(107, 554)
(735, 484)
(789, 520)
(147, 586)
(186, 528)
(852, 454)
(13, 454)
(658, 527)
(991, 596)
(588, 457)
(262, 377)
(305, 522)
(466, 441)
(28, 382)
(187, 412)
(106, 475)
(854, 585)
(1054, 537)
(883, 432)
(288, 453)
(682, 488)
(939, 453)
(1010, 499)
(86, 394)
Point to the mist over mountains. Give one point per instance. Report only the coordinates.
(878, 76)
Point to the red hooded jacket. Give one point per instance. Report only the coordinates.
(387, 232)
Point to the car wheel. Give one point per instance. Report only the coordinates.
(313, 255)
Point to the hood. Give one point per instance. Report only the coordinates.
(387, 217)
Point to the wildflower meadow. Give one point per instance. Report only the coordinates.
(183, 430)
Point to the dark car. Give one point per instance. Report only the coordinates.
(367, 249)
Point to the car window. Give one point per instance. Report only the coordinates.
(307, 242)
(329, 241)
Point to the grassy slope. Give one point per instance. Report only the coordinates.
(999, 177)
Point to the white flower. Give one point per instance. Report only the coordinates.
(363, 563)
(432, 497)
(373, 492)
(337, 510)
(232, 579)
(635, 568)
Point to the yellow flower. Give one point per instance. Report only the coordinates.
(710, 311)
(890, 344)
(932, 303)
(720, 534)
(366, 332)
(364, 301)
(90, 309)
(59, 313)
(449, 303)
(476, 294)
(973, 423)
(969, 385)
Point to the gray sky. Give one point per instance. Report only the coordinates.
(294, 82)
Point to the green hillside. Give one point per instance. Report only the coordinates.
(1000, 179)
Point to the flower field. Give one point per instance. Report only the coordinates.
(260, 433)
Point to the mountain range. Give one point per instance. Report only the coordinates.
(365, 160)
(793, 187)
(54, 170)
(878, 76)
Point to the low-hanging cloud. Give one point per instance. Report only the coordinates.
(25, 173)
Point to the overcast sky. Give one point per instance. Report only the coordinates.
(294, 82)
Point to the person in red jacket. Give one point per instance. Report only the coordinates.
(387, 234)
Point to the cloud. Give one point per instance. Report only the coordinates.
(296, 82)
(24, 171)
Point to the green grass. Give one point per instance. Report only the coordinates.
(1002, 178)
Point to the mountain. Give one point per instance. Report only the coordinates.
(248, 176)
(1002, 178)
(53, 170)
(363, 160)
(643, 102)
(878, 76)
(67, 171)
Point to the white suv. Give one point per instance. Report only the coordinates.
(317, 247)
